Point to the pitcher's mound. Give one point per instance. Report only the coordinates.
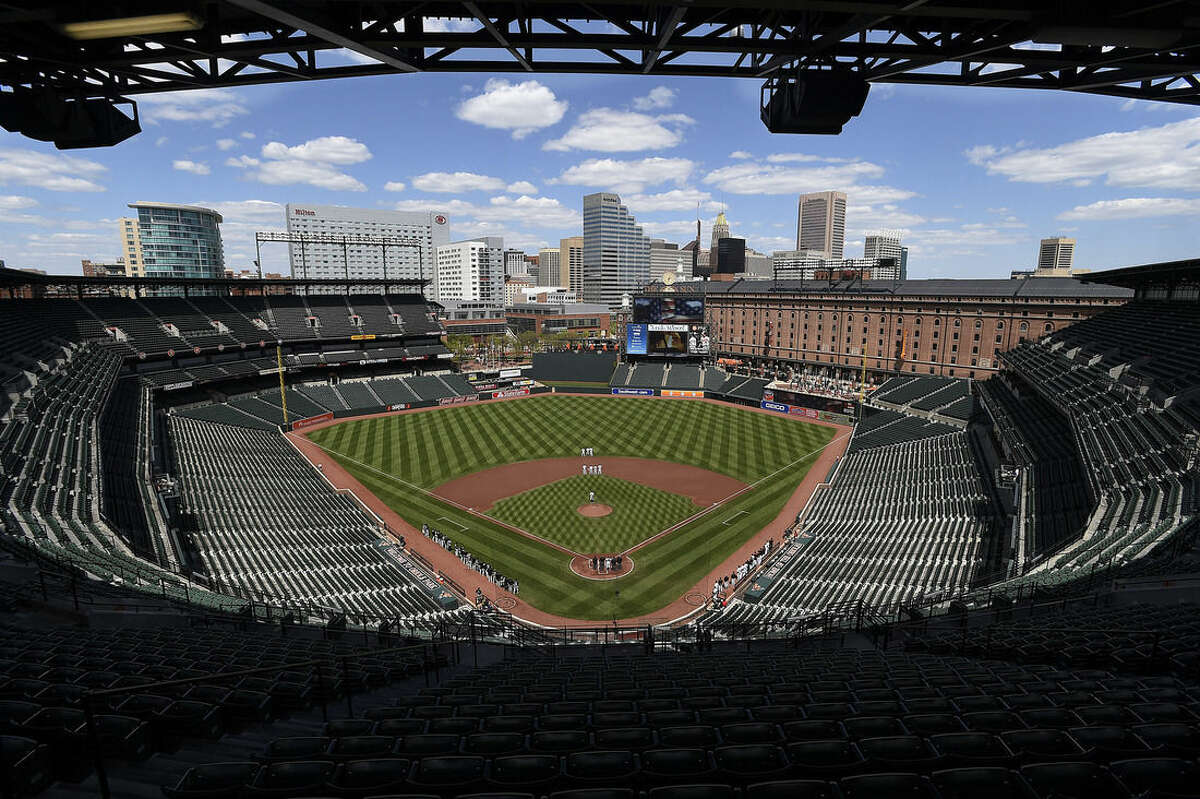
(594, 510)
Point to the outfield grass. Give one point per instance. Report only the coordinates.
(429, 448)
(550, 511)
(388, 454)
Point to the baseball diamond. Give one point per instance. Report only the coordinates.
(401, 458)
(551, 512)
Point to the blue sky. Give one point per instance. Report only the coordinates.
(973, 178)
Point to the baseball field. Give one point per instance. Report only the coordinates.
(519, 465)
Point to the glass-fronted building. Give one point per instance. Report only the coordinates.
(167, 240)
(616, 253)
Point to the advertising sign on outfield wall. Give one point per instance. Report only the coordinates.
(773, 406)
(399, 406)
(310, 421)
(672, 392)
(507, 373)
(177, 386)
(636, 392)
(458, 400)
(510, 392)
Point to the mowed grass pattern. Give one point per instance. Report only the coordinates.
(552, 512)
(388, 453)
(429, 448)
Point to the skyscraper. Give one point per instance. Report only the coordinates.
(667, 257)
(1056, 253)
(821, 223)
(550, 267)
(570, 260)
(720, 230)
(616, 253)
(514, 263)
(885, 244)
(172, 241)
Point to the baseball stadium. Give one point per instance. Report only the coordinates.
(272, 537)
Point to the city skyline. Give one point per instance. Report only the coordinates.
(972, 194)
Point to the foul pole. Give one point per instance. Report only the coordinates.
(282, 395)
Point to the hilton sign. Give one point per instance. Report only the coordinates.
(303, 212)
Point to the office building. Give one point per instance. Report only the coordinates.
(758, 264)
(570, 254)
(167, 240)
(514, 287)
(731, 256)
(470, 271)
(666, 257)
(616, 253)
(425, 230)
(904, 263)
(1055, 257)
(552, 317)
(882, 245)
(720, 230)
(821, 223)
(515, 263)
(550, 267)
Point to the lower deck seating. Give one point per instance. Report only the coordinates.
(264, 521)
(897, 523)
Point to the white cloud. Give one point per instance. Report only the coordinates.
(314, 163)
(260, 210)
(521, 187)
(740, 155)
(217, 107)
(1165, 157)
(326, 149)
(1133, 208)
(195, 167)
(611, 131)
(534, 212)
(456, 182)
(517, 107)
(160, 141)
(681, 228)
(631, 176)
(49, 171)
(1155, 105)
(226, 144)
(788, 158)
(324, 176)
(449, 25)
(14, 202)
(245, 134)
(394, 185)
(756, 177)
(659, 97)
(673, 200)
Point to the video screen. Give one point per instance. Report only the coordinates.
(635, 339)
(668, 342)
(680, 310)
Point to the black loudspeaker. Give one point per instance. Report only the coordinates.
(70, 123)
(812, 101)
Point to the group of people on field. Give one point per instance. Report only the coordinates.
(724, 586)
(469, 560)
(603, 564)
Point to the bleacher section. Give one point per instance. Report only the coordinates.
(264, 520)
(646, 374)
(1131, 451)
(573, 367)
(897, 523)
(684, 376)
(921, 393)
(881, 428)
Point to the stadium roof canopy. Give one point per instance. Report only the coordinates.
(39, 284)
(1163, 280)
(1122, 48)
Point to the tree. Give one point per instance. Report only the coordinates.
(529, 340)
(459, 344)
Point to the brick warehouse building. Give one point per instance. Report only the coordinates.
(947, 327)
